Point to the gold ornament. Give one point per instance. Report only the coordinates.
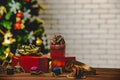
(8, 53)
(38, 41)
(8, 38)
(2, 10)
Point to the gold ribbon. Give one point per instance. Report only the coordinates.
(69, 65)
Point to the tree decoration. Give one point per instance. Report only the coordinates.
(2, 11)
(8, 53)
(19, 14)
(38, 41)
(31, 37)
(14, 6)
(45, 40)
(8, 38)
(20, 25)
(27, 14)
(17, 26)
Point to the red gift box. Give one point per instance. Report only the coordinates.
(29, 61)
(57, 51)
(60, 62)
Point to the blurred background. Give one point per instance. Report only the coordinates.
(91, 29)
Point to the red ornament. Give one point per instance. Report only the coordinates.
(27, 0)
(19, 14)
(17, 26)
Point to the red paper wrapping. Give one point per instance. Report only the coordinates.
(57, 51)
(29, 61)
(60, 62)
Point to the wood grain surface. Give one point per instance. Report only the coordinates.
(102, 74)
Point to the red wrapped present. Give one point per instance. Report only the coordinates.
(29, 61)
(60, 62)
(57, 51)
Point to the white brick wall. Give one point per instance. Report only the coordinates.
(91, 29)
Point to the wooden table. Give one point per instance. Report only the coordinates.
(102, 74)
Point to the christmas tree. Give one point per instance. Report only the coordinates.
(20, 24)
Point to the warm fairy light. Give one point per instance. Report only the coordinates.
(57, 63)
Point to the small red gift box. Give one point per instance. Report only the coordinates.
(60, 62)
(29, 61)
(57, 51)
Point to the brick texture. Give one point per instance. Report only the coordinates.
(91, 29)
